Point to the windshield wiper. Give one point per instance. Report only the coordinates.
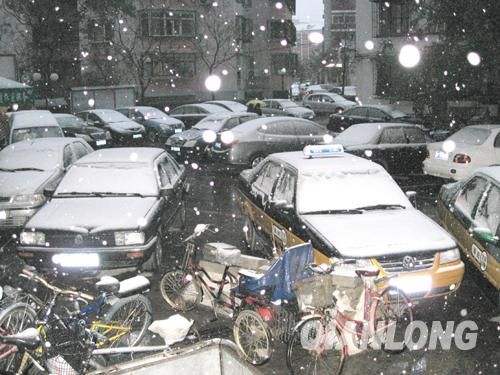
(6, 170)
(81, 193)
(26, 169)
(381, 207)
(112, 194)
(333, 212)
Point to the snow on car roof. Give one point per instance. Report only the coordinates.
(343, 163)
(493, 172)
(32, 119)
(123, 154)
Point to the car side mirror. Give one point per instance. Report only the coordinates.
(48, 192)
(484, 235)
(412, 197)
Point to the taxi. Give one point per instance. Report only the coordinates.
(470, 211)
(348, 207)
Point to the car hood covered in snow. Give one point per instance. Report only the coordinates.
(79, 214)
(379, 233)
(23, 182)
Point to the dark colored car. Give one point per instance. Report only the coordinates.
(285, 107)
(123, 130)
(399, 148)
(73, 126)
(249, 143)
(366, 113)
(470, 210)
(26, 169)
(193, 143)
(230, 105)
(112, 209)
(159, 126)
(190, 114)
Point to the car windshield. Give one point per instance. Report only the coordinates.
(29, 159)
(471, 136)
(358, 135)
(24, 134)
(111, 116)
(214, 125)
(152, 113)
(70, 122)
(320, 191)
(109, 179)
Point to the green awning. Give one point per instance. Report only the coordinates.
(12, 92)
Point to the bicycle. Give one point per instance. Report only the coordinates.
(119, 320)
(318, 342)
(184, 288)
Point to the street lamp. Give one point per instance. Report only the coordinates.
(53, 77)
(213, 84)
(282, 73)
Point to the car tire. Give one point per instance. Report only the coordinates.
(250, 236)
(255, 160)
(152, 136)
(155, 260)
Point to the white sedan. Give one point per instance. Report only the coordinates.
(461, 154)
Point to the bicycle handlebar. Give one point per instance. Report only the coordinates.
(70, 293)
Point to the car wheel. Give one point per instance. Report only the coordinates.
(255, 160)
(156, 259)
(153, 136)
(250, 236)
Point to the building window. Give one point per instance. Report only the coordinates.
(100, 31)
(282, 61)
(244, 28)
(167, 23)
(174, 65)
(393, 20)
(344, 20)
(282, 29)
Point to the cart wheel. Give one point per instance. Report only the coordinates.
(252, 337)
(180, 289)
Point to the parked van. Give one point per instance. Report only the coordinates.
(25, 125)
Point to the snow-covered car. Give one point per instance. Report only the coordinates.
(159, 126)
(123, 130)
(399, 148)
(26, 169)
(285, 107)
(30, 124)
(348, 207)
(326, 103)
(247, 144)
(470, 210)
(112, 209)
(73, 126)
(193, 142)
(465, 151)
(230, 105)
(191, 114)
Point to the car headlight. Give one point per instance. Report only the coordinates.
(190, 144)
(28, 198)
(85, 137)
(33, 238)
(129, 238)
(108, 134)
(449, 256)
(166, 127)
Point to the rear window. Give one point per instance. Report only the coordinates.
(24, 134)
(471, 136)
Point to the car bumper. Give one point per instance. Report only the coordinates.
(128, 138)
(109, 257)
(447, 170)
(185, 153)
(13, 220)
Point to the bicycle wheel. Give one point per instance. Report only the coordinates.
(14, 319)
(391, 313)
(316, 347)
(129, 320)
(252, 337)
(180, 289)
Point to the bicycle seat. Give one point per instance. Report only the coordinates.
(29, 339)
(108, 284)
(367, 273)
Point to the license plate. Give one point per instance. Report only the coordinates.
(178, 130)
(176, 149)
(3, 215)
(80, 260)
(441, 155)
(135, 136)
(100, 143)
(218, 145)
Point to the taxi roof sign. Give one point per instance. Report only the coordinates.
(323, 150)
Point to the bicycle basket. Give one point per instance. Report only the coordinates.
(58, 366)
(314, 292)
